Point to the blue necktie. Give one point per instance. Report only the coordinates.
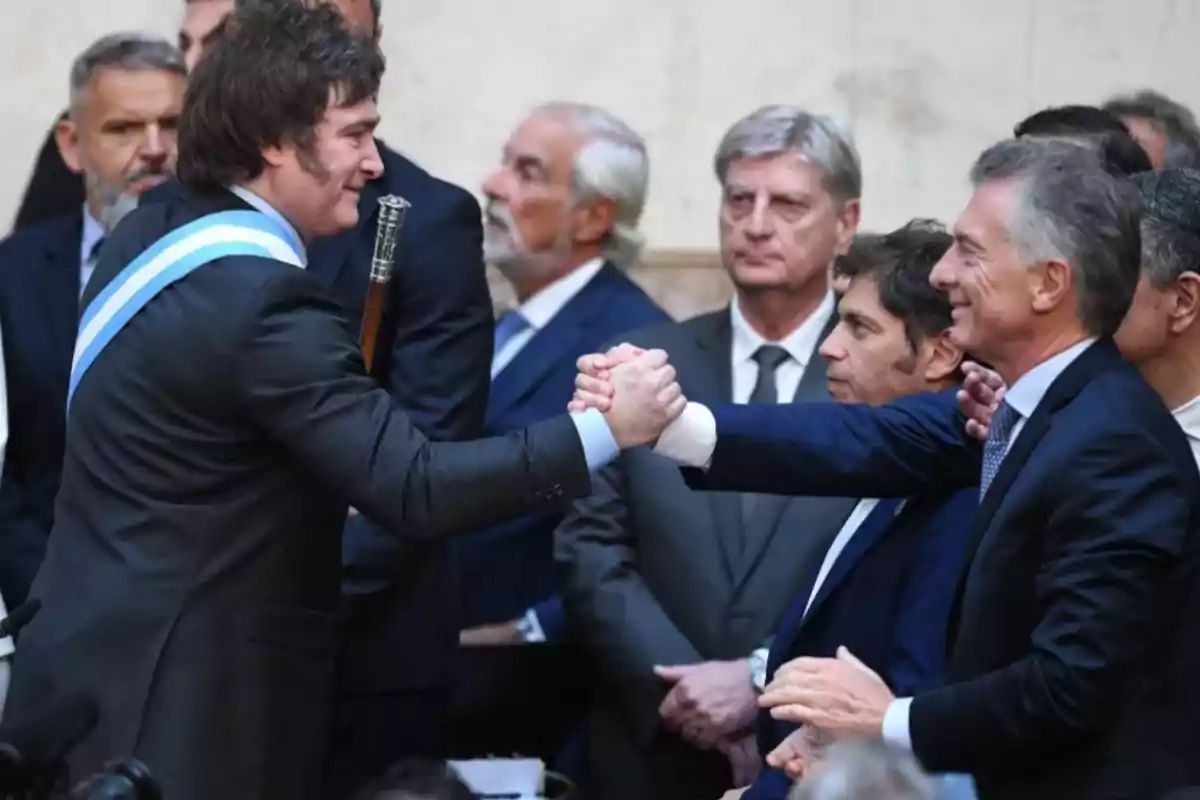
(94, 253)
(509, 325)
(994, 448)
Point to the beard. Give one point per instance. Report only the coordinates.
(115, 200)
(504, 248)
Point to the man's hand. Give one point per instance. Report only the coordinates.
(838, 695)
(800, 751)
(490, 635)
(980, 395)
(645, 399)
(735, 794)
(593, 385)
(744, 761)
(709, 701)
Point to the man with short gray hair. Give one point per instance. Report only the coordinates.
(1165, 129)
(126, 95)
(1160, 333)
(1072, 660)
(674, 593)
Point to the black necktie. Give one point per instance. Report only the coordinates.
(94, 253)
(769, 358)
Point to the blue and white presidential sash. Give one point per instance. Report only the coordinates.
(219, 235)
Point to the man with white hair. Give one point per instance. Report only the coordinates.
(673, 592)
(561, 226)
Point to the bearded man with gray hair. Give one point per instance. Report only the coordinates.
(126, 95)
(561, 225)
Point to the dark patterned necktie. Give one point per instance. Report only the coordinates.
(769, 358)
(996, 445)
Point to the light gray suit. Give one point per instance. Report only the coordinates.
(653, 573)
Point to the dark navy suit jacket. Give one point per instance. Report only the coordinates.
(1073, 651)
(508, 569)
(39, 308)
(887, 599)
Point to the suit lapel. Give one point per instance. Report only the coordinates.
(57, 292)
(559, 340)
(714, 338)
(878, 522)
(1097, 358)
(769, 509)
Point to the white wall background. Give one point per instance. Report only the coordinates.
(923, 84)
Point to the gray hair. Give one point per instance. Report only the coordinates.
(817, 139)
(126, 51)
(1174, 121)
(862, 770)
(612, 164)
(1170, 224)
(1071, 208)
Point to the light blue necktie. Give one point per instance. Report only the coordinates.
(994, 448)
(509, 325)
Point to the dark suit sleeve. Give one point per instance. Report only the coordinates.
(303, 381)
(1117, 525)
(22, 541)
(841, 449)
(617, 616)
(440, 370)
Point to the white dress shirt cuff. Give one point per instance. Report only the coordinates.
(691, 438)
(599, 445)
(531, 628)
(895, 724)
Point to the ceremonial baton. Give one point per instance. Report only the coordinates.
(392, 210)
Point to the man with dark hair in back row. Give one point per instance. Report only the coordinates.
(220, 421)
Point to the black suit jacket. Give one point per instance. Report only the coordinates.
(39, 309)
(436, 334)
(1073, 662)
(654, 574)
(191, 581)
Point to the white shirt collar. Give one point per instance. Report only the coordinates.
(1030, 388)
(1188, 417)
(262, 205)
(546, 303)
(799, 344)
(93, 232)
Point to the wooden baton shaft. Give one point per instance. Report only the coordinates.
(372, 317)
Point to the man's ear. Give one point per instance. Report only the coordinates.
(942, 359)
(593, 220)
(1052, 284)
(66, 136)
(1187, 306)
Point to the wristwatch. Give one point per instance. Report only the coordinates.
(758, 669)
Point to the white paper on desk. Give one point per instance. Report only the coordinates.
(502, 777)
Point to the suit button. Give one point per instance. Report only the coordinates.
(558, 490)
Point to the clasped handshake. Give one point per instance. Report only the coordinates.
(635, 389)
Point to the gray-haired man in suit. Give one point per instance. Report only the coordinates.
(672, 591)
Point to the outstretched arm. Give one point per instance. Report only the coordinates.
(834, 449)
(303, 380)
